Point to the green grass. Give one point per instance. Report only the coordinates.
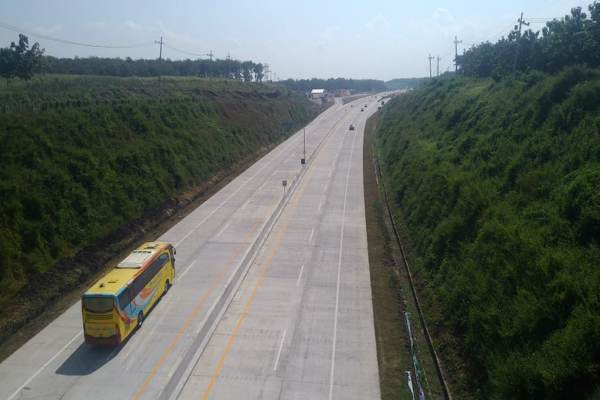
(83, 156)
(497, 182)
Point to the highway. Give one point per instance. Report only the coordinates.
(272, 298)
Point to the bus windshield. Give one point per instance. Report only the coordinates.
(98, 304)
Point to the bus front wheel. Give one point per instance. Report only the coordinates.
(167, 287)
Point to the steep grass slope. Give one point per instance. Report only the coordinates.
(498, 184)
(83, 156)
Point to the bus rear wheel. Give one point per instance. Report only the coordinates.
(167, 287)
(140, 319)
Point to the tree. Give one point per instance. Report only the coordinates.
(259, 72)
(7, 64)
(20, 61)
(247, 70)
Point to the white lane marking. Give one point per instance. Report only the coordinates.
(275, 157)
(223, 229)
(300, 275)
(179, 276)
(312, 231)
(32, 377)
(320, 205)
(263, 185)
(279, 352)
(329, 174)
(339, 272)
(245, 204)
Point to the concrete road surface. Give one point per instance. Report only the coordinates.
(272, 297)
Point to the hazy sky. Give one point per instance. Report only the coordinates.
(380, 39)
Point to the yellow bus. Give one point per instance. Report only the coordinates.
(117, 304)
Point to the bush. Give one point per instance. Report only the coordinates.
(498, 185)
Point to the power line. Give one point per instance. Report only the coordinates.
(188, 52)
(72, 42)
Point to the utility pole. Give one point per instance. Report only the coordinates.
(521, 22)
(161, 45)
(456, 43)
(267, 71)
(210, 55)
(159, 58)
(228, 58)
(430, 58)
(438, 59)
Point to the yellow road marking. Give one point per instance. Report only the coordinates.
(195, 311)
(275, 247)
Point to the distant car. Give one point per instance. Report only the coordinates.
(351, 128)
(362, 109)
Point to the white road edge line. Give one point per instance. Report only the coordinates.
(312, 231)
(32, 377)
(339, 272)
(279, 352)
(299, 275)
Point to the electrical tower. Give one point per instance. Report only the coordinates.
(210, 55)
(456, 43)
(438, 59)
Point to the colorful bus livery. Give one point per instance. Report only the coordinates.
(118, 303)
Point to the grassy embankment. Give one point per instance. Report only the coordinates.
(83, 157)
(391, 294)
(497, 185)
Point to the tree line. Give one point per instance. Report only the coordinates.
(357, 85)
(247, 71)
(20, 61)
(571, 40)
